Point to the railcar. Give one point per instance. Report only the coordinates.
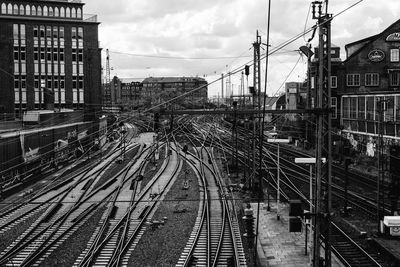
(27, 153)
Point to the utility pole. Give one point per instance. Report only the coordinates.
(381, 162)
(108, 77)
(256, 93)
(324, 139)
(222, 88)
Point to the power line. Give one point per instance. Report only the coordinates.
(176, 57)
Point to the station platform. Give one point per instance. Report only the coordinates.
(276, 246)
(390, 247)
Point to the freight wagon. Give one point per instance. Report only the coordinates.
(27, 153)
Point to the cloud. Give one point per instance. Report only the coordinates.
(223, 28)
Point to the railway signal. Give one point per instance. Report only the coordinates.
(249, 222)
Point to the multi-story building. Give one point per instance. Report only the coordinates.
(122, 94)
(159, 89)
(130, 94)
(370, 89)
(50, 57)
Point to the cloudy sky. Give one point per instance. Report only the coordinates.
(206, 38)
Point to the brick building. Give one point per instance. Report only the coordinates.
(122, 93)
(370, 89)
(159, 89)
(50, 58)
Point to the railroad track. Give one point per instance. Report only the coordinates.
(69, 208)
(215, 240)
(349, 252)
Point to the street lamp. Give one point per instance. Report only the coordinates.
(310, 162)
(278, 141)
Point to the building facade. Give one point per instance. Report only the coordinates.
(370, 90)
(159, 89)
(122, 94)
(50, 58)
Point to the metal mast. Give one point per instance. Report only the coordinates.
(108, 77)
(256, 95)
(324, 140)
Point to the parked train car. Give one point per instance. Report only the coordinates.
(26, 153)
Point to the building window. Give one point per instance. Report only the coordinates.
(48, 32)
(79, 13)
(16, 67)
(49, 54)
(361, 108)
(80, 84)
(39, 11)
(55, 54)
(16, 31)
(16, 95)
(56, 83)
(73, 12)
(68, 12)
(49, 83)
(333, 81)
(21, 10)
(55, 66)
(74, 68)
(80, 32)
(23, 53)
(42, 53)
(3, 8)
(33, 11)
(80, 55)
(23, 82)
(36, 31)
(51, 12)
(15, 11)
(74, 55)
(61, 33)
(62, 82)
(75, 96)
(61, 54)
(345, 107)
(334, 107)
(42, 32)
(81, 97)
(353, 79)
(28, 10)
(36, 53)
(45, 11)
(36, 89)
(371, 79)
(16, 82)
(353, 107)
(56, 12)
(62, 12)
(49, 68)
(370, 107)
(394, 78)
(55, 32)
(16, 54)
(73, 32)
(394, 55)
